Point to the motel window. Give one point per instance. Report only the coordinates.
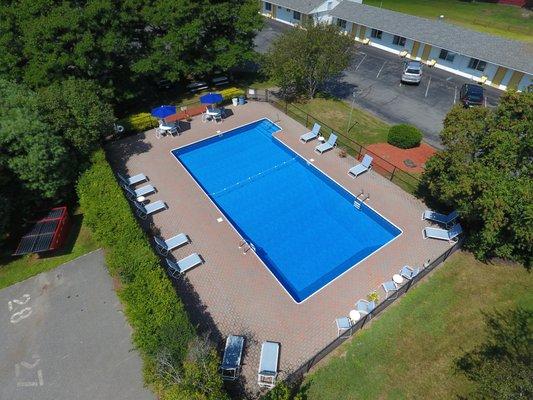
(341, 23)
(268, 6)
(398, 40)
(376, 33)
(446, 55)
(477, 64)
(296, 15)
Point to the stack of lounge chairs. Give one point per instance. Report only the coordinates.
(450, 234)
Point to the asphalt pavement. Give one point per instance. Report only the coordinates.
(63, 336)
(372, 81)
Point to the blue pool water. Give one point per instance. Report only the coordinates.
(302, 224)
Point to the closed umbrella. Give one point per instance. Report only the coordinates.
(163, 111)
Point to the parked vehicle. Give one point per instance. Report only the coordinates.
(412, 72)
(471, 95)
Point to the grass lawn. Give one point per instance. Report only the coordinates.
(79, 242)
(365, 128)
(410, 350)
(510, 22)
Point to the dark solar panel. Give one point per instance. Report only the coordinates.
(55, 213)
(48, 226)
(43, 242)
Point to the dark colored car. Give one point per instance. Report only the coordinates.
(471, 95)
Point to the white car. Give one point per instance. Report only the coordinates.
(412, 72)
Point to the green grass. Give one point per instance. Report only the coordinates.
(410, 350)
(365, 128)
(79, 242)
(510, 22)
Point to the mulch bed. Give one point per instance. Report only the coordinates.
(408, 160)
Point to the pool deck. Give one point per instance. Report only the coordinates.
(234, 293)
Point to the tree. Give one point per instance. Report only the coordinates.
(300, 60)
(123, 45)
(75, 110)
(29, 148)
(501, 367)
(486, 174)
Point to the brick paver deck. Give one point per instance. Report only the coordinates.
(234, 293)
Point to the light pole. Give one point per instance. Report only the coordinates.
(354, 93)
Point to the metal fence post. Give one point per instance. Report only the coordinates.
(392, 175)
(306, 120)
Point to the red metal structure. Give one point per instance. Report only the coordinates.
(48, 233)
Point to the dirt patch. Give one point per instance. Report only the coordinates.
(408, 160)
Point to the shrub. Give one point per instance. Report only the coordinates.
(138, 122)
(232, 92)
(404, 136)
(153, 309)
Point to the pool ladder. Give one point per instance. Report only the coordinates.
(360, 199)
(246, 247)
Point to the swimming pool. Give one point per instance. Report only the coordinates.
(302, 224)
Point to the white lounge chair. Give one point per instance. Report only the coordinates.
(183, 265)
(231, 361)
(331, 143)
(440, 218)
(409, 273)
(443, 234)
(306, 137)
(389, 287)
(364, 166)
(132, 180)
(166, 246)
(364, 306)
(132, 194)
(268, 364)
(144, 210)
(343, 325)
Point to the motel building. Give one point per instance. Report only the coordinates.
(486, 59)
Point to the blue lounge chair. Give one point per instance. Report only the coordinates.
(365, 307)
(343, 325)
(144, 210)
(268, 364)
(231, 361)
(183, 265)
(132, 194)
(364, 166)
(440, 218)
(409, 273)
(166, 246)
(133, 180)
(389, 287)
(306, 137)
(443, 234)
(331, 143)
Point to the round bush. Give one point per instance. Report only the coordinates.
(404, 136)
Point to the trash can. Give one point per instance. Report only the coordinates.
(241, 100)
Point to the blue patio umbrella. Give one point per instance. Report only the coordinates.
(211, 98)
(163, 111)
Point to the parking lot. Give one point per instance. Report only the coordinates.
(374, 77)
(63, 336)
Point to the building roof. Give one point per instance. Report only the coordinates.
(497, 50)
(303, 6)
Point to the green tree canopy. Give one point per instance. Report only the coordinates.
(486, 174)
(123, 44)
(74, 110)
(300, 60)
(501, 367)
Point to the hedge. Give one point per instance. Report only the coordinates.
(140, 122)
(152, 307)
(404, 136)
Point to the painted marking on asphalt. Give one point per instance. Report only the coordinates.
(381, 69)
(25, 312)
(29, 366)
(360, 62)
(427, 88)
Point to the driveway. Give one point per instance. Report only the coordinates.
(374, 76)
(63, 336)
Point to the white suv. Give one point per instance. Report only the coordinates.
(412, 72)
